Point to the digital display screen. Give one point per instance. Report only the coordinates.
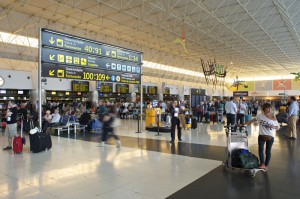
(122, 88)
(105, 88)
(80, 86)
(83, 45)
(167, 90)
(152, 90)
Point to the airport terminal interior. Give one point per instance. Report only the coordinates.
(116, 67)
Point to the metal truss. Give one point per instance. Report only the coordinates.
(261, 37)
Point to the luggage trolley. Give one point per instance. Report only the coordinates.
(220, 115)
(237, 139)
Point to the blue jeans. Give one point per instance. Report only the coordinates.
(261, 144)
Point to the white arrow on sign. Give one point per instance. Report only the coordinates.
(107, 65)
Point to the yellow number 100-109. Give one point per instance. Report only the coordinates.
(88, 76)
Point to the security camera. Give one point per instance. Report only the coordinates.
(9, 76)
(28, 77)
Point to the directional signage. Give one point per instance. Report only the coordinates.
(89, 74)
(78, 44)
(195, 91)
(240, 93)
(76, 59)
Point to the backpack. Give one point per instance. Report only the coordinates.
(242, 158)
(199, 109)
(249, 161)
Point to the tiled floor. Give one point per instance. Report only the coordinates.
(146, 166)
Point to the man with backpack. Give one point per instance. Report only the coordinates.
(200, 110)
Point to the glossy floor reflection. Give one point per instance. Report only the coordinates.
(281, 181)
(207, 134)
(146, 166)
(81, 169)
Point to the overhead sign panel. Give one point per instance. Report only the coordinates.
(89, 74)
(81, 60)
(78, 44)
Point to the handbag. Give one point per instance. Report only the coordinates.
(265, 138)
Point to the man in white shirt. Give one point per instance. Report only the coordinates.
(241, 109)
(231, 110)
(55, 120)
(292, 118)
(55, 117)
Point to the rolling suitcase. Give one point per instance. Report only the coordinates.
(37, 140)
(19, 141)
(168, 120)
(17, 145)
(48, 141)
(194, 123)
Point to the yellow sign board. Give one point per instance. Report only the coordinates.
(61, 58)
(60, 73)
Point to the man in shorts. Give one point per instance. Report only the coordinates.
(11, 123)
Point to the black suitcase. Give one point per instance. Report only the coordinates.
(37, 142)
(194, 123)
(48, 141)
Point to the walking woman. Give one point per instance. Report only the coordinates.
(267, 128)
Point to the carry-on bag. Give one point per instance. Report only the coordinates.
(194, 123)
(48, 140)
(168, 120)
(19, 140)
(17, 144)
(37, 140)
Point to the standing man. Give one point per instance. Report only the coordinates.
(241, 109)
(231, 110)
(292, 118)
(250, 107)
(255, 108)
(175, 111)
(11, 121)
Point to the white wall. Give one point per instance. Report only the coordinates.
(16, 79)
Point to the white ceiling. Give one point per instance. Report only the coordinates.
(259, 37)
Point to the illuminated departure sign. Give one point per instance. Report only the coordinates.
(104, 87)
(80, 86)
(152, 90)
(88, 74)
(78, 44)
(76, 59)
(122, 88)
(71, 57)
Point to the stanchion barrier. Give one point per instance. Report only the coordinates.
(138, 123)
(157, 121)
